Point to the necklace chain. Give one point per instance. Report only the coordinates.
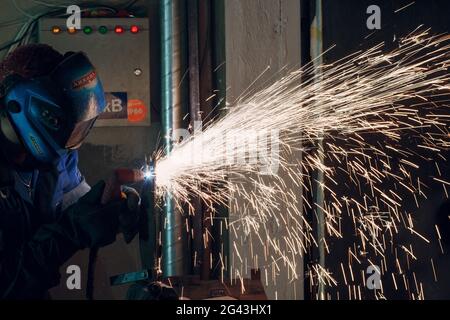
(26, 183)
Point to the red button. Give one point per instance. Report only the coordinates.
(134, 29)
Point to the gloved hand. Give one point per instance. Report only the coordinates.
(129, 214)
(90, 223)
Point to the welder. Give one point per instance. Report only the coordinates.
(48, 104)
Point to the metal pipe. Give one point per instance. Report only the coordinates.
(305, 45)
(168, 254)
(221, 262)
(317, 50)
(177, 69)
(194, 76)
(179, 245)
(195, 118)
(206, 90)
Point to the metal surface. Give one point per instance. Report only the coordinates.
(195, 118)
(131, 277)
(115, 56)
(178, 238)
(317, 49)
(305, 58)
(169, 240)
(206, 106)
(221, 245)
(194, 86)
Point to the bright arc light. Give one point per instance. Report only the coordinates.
(148, 174)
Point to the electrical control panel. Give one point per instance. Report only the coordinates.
(119, 49)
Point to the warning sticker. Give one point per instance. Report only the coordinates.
(137, 111)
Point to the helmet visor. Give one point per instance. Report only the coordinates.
(79, 133)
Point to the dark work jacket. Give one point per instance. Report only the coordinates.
(32, 244)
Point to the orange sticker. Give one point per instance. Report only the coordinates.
(137, 111)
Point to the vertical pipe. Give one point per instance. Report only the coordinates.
(317, 50)
(168, 254)
(194, 76)
(206, 91)
(305, 47)
(195, 118)
(179, 242)
(220, 228)
(178, 103)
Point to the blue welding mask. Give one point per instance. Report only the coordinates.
(47, 116)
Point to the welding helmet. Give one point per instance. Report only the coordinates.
(47, 116)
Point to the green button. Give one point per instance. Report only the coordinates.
(103, 29)
(87, 30)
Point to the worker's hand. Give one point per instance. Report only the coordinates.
(90, 223)
(129, 215)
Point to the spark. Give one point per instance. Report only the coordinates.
(434, 271)
(419, 235)
(346, 121)
(404, 7)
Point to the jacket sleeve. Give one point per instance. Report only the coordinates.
(29, 265)
(75, 185)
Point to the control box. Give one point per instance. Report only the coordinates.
(119, 49)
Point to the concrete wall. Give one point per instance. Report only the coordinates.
(261, 33)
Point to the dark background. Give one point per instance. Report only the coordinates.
(344, 25)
